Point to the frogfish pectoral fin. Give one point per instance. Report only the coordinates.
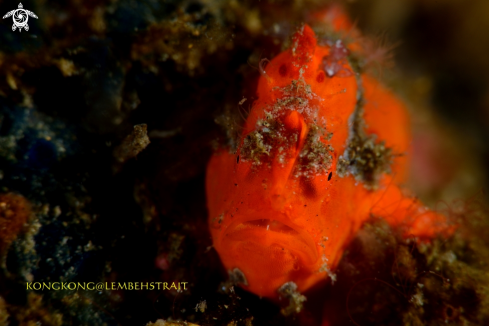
(406, 212)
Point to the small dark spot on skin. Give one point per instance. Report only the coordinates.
(320, 77)
(236, 184)
(282, 70)
(330, 175)
(237, 159)
(305, 205)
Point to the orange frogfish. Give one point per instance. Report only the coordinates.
(324, 148)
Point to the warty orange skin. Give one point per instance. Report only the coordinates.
(279, 208)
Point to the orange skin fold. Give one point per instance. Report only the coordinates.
(278, 221)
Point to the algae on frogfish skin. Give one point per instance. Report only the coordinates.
(308, 160)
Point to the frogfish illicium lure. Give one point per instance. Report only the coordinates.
(324, 148)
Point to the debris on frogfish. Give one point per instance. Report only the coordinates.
(324, 148)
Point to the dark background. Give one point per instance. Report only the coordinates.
(75, 84)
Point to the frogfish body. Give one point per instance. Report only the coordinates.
(324, 148)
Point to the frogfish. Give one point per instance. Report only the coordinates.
(324, 148)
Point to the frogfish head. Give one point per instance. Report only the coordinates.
(284, 205)
(275, 205)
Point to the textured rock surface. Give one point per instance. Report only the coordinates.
(72, 89)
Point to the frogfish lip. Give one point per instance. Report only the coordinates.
(270, 248)
(268, 231)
